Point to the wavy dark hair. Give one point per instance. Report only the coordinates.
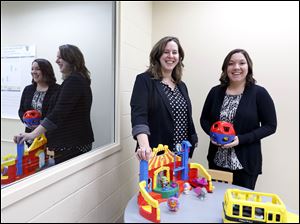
(224, 76)
(47, 71)
(156, 53)
(74, 57)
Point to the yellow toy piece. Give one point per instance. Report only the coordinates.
(250, 206)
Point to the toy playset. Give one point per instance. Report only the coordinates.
(165, 177)
(27, 161)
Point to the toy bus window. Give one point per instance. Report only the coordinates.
(236, 210)
(259, 213)
(277, 218)
(270, 216)
(247, 210)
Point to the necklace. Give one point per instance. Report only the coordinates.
(235, 90)
(170, 84)
(168, 81)
(42, 88)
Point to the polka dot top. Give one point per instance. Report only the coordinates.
(180, 114)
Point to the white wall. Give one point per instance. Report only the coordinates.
(269, 31)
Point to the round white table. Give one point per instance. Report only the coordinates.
(191, 208)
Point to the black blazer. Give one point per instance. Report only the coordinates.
(70, 114)
(255, 119)
(150, 107)
(27, 96)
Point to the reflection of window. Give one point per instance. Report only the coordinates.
(97, 43)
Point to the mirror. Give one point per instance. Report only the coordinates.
(44, 26)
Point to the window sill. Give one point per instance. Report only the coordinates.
(42, 179)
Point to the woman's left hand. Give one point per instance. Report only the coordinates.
(19, 139)
(235, 142)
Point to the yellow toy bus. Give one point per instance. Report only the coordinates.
(250, 206)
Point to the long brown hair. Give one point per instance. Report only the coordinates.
(74, 57)
(156, 53)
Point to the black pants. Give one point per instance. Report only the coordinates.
(240, 177)
(61, 155)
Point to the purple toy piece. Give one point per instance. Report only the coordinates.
(173, 185)
(201, 182)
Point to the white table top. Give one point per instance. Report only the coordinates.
(191, 208)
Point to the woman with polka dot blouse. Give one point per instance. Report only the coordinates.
(161, 111)
(67, 125)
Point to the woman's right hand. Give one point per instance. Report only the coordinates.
(144, 153)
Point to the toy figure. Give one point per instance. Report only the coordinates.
(50, 154)
(178, 147)
(164, 182)
(186, 188)
(201, 192)
(173, 204)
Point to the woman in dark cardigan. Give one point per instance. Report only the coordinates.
(251, 110)
(161, 110)
(37, 95)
